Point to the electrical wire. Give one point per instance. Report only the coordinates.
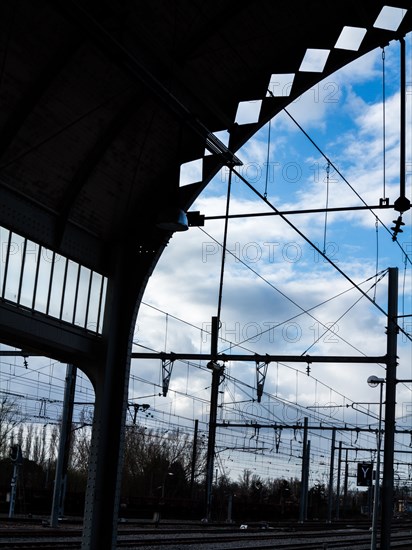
(343, 178)
(315, 247)
(303, 311)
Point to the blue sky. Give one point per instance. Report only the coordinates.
(272, 276)
(276, 273)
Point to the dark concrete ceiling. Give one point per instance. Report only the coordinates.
(102, 101)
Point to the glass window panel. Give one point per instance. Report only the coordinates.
(43, 282)
(4, 239)
(29, 273)
(14, 267)
(92, 318)
(70, 292)
(81, 306)
(56, 295)
(102, 305)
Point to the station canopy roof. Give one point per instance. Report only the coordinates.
(102, 102)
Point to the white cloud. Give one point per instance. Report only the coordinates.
(273, 273)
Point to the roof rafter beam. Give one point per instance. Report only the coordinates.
(124, 58)
(34, 92)
(90, 161)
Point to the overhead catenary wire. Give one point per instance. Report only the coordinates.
(343, 178)
(265, 194)
(383, 125)
(262, 332)
(342, 316)
(314, 246)
(222, 267)
(377, 255)
(303, 310)
(326, 206)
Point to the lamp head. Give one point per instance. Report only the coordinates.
(374, 381)
(173, 220)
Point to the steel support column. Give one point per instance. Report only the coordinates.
(111, 388)
(390, 404)
(64, 445)
(217, 371)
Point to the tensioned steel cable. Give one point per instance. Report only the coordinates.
(222, 267)
(341, 316)
(262, 332)
(303, 311)
(343, 178)
(383, 124)
(313, 245)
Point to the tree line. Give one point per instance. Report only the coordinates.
(161, 469)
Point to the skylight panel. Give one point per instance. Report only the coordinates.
(314, 60)
(350, 38)
(390, 18)
(191, 172)
(248, 112)
(280, 85)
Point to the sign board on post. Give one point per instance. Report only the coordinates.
(364, 476)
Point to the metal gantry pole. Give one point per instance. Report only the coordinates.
(345, 485)
(217, 371)
(338, 481)
(377, 475)
(390, 404)
(194, 457)
(332, 460)
(64, 445)
(305, 465)
(17, 459)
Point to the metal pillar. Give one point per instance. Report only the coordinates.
(390, 404)
(64, 446)
(17, 460)
(194, 457)
(377, 476)
(110, 378)
(345, 485)
(217, 371)
(229, 508)
(402, 203)
(304, 477)
(338, 481)
(332, 460)
(306, 497)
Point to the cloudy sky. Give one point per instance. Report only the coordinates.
(279, 294)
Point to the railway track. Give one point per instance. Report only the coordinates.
(174, 539)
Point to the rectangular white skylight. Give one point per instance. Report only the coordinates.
(314, 60)
(390, 18)
(248, 112)
(280, 85)
(350, 38)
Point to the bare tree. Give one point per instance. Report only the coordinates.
(10, 418)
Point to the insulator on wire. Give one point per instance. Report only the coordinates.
(397, 227)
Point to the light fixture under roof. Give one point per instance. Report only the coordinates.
(174, 219)
(390, 18)
(350, 38)
(314, 60)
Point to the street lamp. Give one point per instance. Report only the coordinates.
(373, 382)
